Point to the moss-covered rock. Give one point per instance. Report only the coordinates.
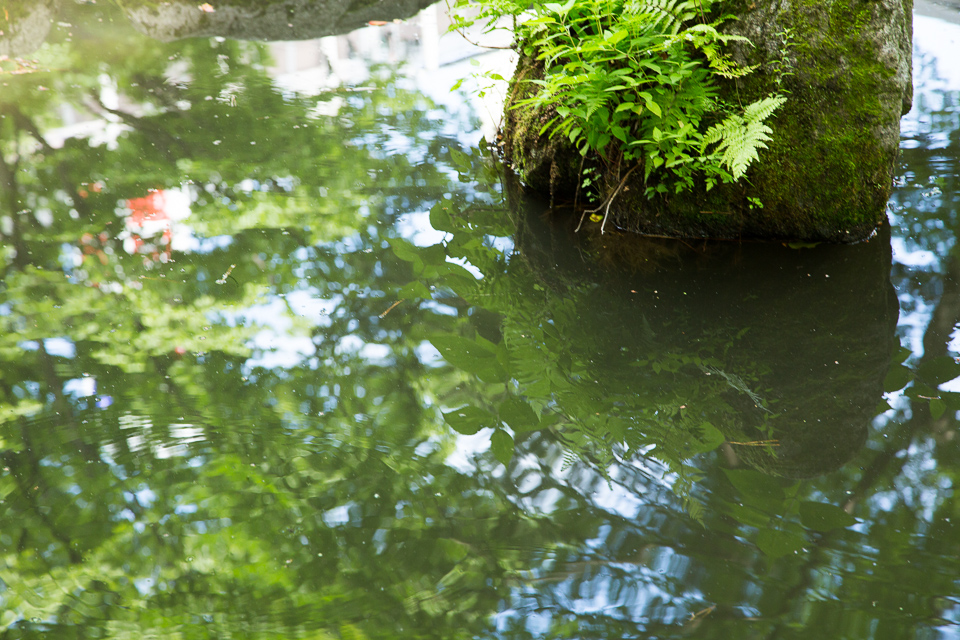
(827, 175)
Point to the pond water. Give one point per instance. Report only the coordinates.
(287, 354)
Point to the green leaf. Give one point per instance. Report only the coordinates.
(413, 291)
(758, 488)
(653, 106)
(440, 218)
(921, 391)
(951, 399)
(897, 378)
(404, 250)
(469, 419)
(937, 407)
(747, 515)
(902, 354)
(453, 550)
(501, 443)
(518, 414)
(777, 542)
(710, 438)
(821, 516)
(460, 159)
(939, 370)
(472, 356)
(435, 254)
(463, 353)
(617, 37)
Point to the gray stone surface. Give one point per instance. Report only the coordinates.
(278, 20)
(172, 19)
(948, 10)
(22, 36)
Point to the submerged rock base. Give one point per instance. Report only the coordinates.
(827, 174)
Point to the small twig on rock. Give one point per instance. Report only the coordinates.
(606, 203)
(477, 44)
(576, 196)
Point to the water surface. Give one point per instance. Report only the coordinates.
(287, 354)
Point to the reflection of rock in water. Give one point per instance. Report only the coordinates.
(26, 27)
(805, 336)
(29, 22)
(822, 322)
(277, 20)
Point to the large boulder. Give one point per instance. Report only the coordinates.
(274, 20)
(845, 66)
(26, 24)
(25, 27)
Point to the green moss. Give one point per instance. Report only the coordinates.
(545, 165)
(827, 167)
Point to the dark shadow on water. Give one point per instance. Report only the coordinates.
(803, 336)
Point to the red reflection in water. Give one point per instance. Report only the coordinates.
(153, 215)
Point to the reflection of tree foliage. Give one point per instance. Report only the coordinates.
(194, 490)
(640, 348)
(190, 491)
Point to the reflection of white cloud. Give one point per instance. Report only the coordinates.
(935, 71)
(60, 347)
(80, 387)
(348, 345)
(279, 351)
(162, 451)
(375, 352)
(277, 346)
(337, 516)
(186, 433)
(940, 40)
(428, 355)
(272, 314)
(416, 228)
(309, 304)
(917, 258)
(432, 59)
(463, 457)
(489, 108)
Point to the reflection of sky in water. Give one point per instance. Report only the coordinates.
(286, 339)
(935, 50)
(441, 63)
(918, 247)
(921, 236)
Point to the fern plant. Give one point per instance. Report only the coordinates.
(635, 82)
(738, 137)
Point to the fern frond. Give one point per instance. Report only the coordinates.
(762, 109)
(569, 460)
(665, 15)
(725, 67)
(739, 138)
